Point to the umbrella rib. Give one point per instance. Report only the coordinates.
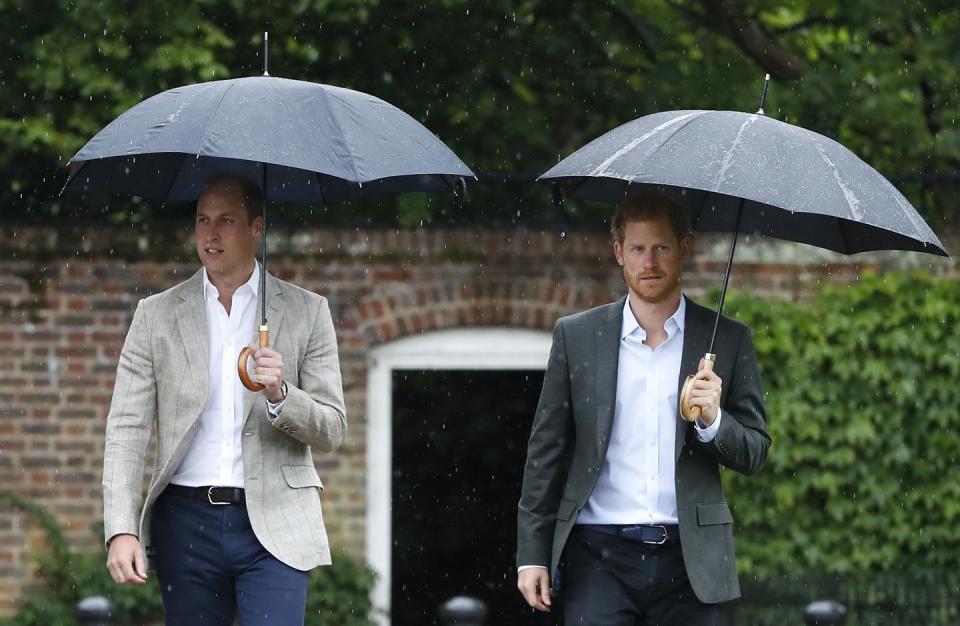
(173, 179)
(696, 218)
(213, 114)
(343, 136)
(675, 131)
(843, 235)
(72, 176)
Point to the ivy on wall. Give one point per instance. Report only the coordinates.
(863, 404)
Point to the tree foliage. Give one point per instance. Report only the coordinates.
(862, 401)
(511, 86)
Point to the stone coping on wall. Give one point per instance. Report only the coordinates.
(168, 242)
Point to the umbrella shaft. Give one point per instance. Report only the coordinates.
(726, 277)
(263, 252)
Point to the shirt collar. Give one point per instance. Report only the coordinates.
(673, 325)
(210, 290)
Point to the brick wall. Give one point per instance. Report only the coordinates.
(67, 297)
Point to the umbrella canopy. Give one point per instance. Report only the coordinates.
(740, 172)
(301, 141)
(776, 179)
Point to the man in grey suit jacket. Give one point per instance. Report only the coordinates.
(622, 505)
(232, 518)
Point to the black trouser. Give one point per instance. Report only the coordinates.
(613, 581)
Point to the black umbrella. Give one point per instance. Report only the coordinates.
(302, 142)
(739, 172)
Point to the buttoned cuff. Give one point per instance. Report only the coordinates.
(273, 410)
(706, 435)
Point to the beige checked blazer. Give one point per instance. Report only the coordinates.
(162, 381)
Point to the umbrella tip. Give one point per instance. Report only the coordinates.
(763, 96)
(266, 45)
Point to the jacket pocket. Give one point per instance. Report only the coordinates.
(709, 514)
(300, 476)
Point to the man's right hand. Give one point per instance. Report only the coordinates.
(125, 560)
(534, 584)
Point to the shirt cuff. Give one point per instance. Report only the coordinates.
(523, 567)
(706, 435)
(274, 409)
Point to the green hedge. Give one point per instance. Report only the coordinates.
(337, 594)
(863, 400)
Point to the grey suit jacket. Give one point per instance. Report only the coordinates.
(572, 426)
(162, 381)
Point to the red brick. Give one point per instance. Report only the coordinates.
(57, 430)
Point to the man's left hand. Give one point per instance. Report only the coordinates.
(707, 388)
(268, 371)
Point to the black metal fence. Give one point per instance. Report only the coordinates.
(888, 599)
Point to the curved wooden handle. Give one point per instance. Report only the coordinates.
(688, 412)
(242, 370)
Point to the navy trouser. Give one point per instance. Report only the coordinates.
(612, 581)
(211, 568)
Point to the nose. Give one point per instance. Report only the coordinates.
(208, 232)
(649, 258)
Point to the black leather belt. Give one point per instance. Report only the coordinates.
(652, 534)
(211, 495)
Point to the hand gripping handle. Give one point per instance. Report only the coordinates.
(242, 370)
(688, 412)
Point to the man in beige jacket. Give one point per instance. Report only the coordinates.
(232, 520)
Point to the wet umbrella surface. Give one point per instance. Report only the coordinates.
(300, 141)
(742, 172)
(777, 179)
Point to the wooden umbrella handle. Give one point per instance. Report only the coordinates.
(688, 412)
(245, 354)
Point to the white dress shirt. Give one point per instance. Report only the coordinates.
(637, 483)
(215, 454)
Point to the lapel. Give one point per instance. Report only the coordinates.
(607, 359)
(191, 316)
(275, 310)
(696, 336)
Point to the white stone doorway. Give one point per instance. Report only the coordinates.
(455, 349)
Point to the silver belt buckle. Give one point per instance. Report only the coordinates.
(662, 540)
(210, 500)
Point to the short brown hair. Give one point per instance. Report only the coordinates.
(645, 205)
(252, 194)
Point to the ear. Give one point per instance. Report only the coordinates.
(686, 247)
(257, 225)
(618, 252)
